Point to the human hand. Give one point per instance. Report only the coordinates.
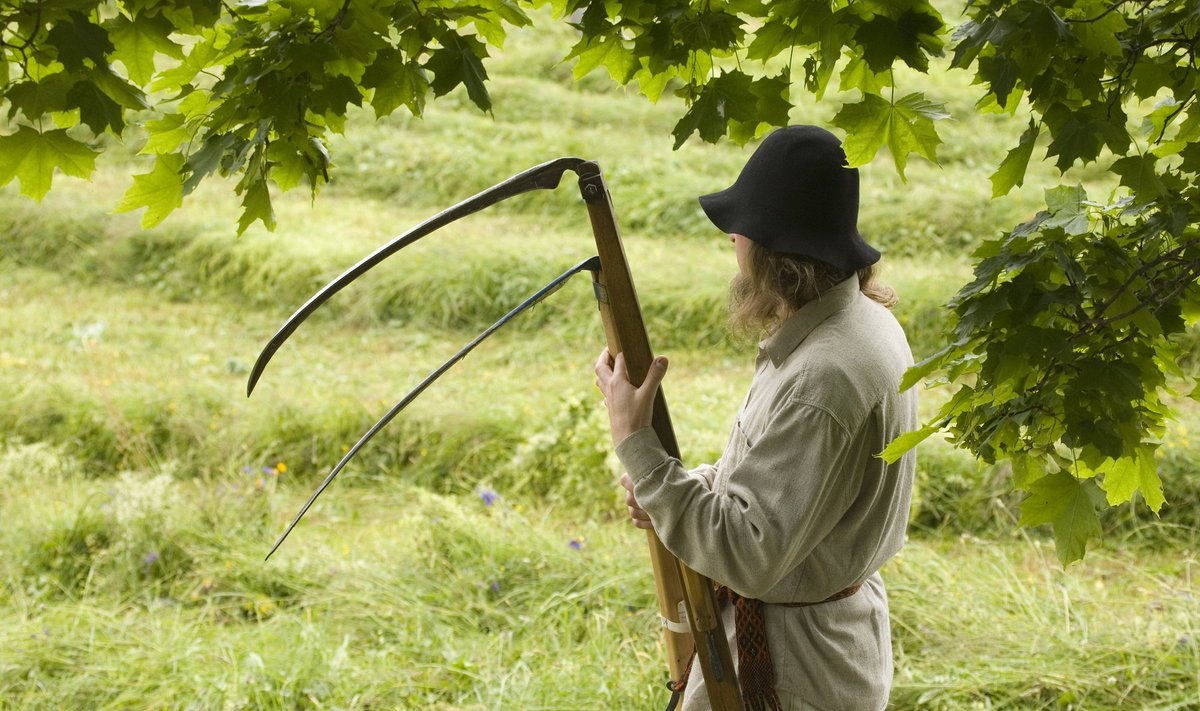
(640, 518)
(629, 408)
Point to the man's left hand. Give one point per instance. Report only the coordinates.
(637, 514)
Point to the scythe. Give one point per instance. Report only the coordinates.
(687, 605)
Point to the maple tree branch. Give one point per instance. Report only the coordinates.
(1171, 117)
(337, 20)
(1178, 283)
(1156, 300)
(1104, 14)
(1147, 266)
(230, 10)
(1181, 41)
(26, 43)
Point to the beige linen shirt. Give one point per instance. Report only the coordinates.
(799, 506)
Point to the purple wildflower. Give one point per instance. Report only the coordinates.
(150, 559)
(576, 544)
(246, 469)
(489, 497)
(268, 471)
(495, 586)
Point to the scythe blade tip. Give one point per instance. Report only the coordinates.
(255, 374)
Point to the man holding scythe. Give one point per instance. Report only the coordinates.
(799, 513)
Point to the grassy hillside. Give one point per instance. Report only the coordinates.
(139, 488)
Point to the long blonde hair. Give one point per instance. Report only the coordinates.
(777, 285)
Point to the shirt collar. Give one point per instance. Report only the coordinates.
(780, 344)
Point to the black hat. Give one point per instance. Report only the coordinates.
(796, 196)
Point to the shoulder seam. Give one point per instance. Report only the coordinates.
(830, 413)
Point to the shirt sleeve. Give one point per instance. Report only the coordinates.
(705, 472)
(785, 493)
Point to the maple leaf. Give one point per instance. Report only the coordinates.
(898, 446)
(771, 39)
(32, 157)
(256, 205)
(911, 37)
(731, 98)
(1012, 169)
(1128, 475)
(904, 127)
(396, 83)
(137, 40)
(166, 134)
(1139, 175)
(458, 62)
(96, 109)
(1065, 205)
(160, 191)
(34, 98)
(608, 51)
(706, 116)
(1069, 506)
(79, 42)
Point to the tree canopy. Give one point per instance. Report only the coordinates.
(1063, 352)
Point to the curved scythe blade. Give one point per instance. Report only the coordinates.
(592, 265)
(541, 177)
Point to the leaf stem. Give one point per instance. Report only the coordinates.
(1140, 271)
(1107, 11)
(337, 21)
(1171, 117)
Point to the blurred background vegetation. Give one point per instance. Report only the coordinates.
(475, 555)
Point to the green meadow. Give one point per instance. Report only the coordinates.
(475, 555)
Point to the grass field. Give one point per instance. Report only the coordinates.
(474, 556)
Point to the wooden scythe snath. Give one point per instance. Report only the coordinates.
(686, 599)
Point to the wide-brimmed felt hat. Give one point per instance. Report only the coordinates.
(796, 196)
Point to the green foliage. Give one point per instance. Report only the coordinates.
(256, 90)
(905, 126)
(1066, 344)
(1070, 347)
(250, 89)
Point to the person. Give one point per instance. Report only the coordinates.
(798, 514)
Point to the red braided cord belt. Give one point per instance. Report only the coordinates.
(756, 674)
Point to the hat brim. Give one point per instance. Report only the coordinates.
(720, 207)
(728, 212)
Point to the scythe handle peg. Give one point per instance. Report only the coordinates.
(591, 181)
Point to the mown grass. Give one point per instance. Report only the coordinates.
(129, 590)
(139, 488)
